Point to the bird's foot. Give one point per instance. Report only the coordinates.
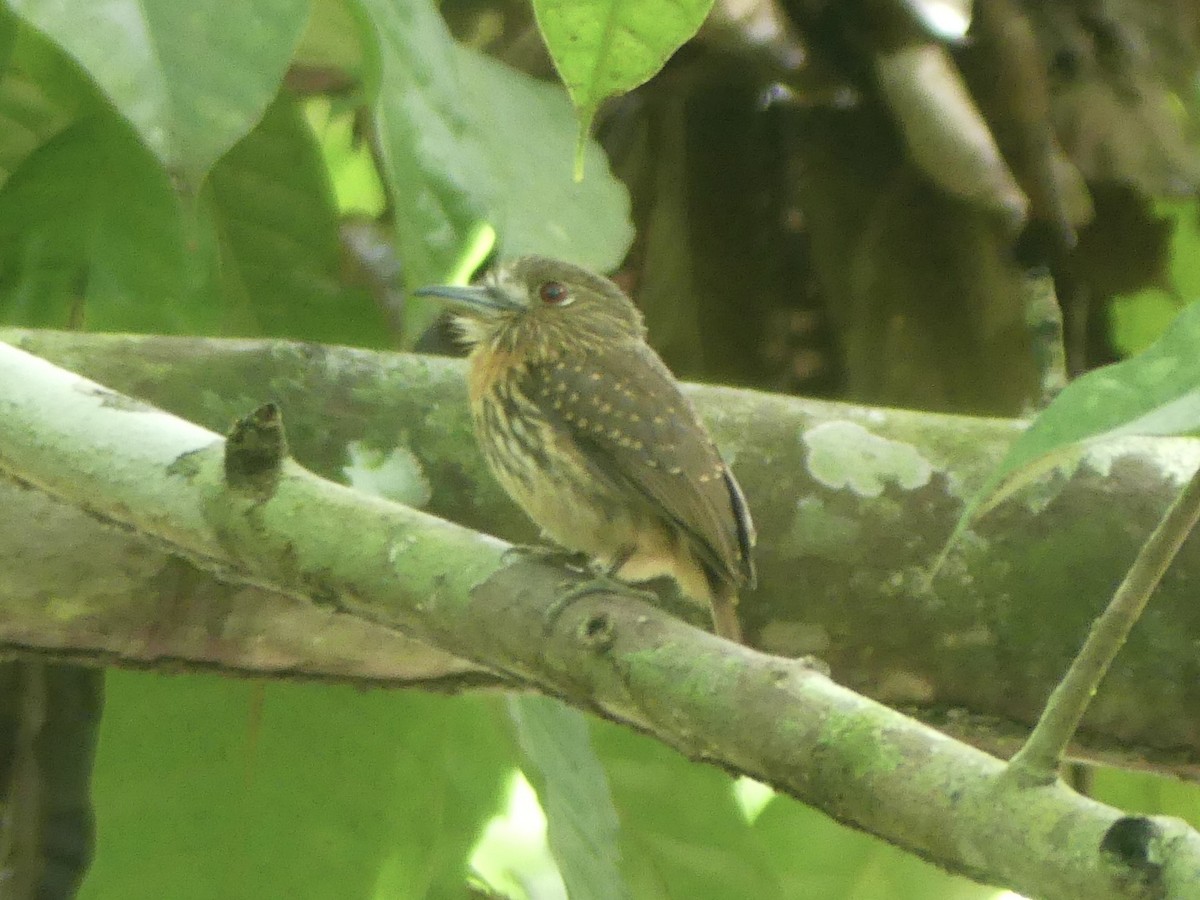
(601, 582)
(548, 553)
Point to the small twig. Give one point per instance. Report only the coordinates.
(22, 853)
(1044, 318)
(1038, 760)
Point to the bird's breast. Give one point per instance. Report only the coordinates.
(489, 368)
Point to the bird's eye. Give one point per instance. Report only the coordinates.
(553, 293)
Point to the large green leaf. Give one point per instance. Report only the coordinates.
(192, 77)
(562, 766)
(1156, 392)
(529, 135)
(466, 140)
(273, 218)
(816, 857)
(437, 173)
(333, 39)
(41, 92)
(606, 47)
(326, 792)
(90, 231)
(29, 117)
(8, 36)
(682, 832)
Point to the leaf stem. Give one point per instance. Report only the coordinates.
(1038, 760)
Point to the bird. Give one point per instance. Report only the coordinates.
(587, 430)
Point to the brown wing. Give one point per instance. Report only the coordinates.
(626, 413)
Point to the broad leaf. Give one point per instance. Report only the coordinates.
(274, 220)
(529, 131)
(8, 36)
(191, 77)
(437, 173)
(465, 139)
(562, 766)
(90, 233)
(682, 832)
(28, 118)
(1156, 392)
(606, 47)
(320, 791)
(41, 93)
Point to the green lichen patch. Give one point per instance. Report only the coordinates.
(843, 454)
(859, 741)
(397, 475)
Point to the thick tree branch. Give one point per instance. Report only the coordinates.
(851, 505)
(767, 717)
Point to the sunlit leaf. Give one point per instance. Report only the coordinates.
(191, 77)
(465, 139)
(1154, 393)
(561, 764)
(602, 48)
(683, 832)
(275, 223)
(348, 160)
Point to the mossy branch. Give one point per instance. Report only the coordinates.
(770, 718)
(851, 502)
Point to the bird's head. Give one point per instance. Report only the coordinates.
(534, 302)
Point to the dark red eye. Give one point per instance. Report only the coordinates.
(553, 293)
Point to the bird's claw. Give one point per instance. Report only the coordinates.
(558, 556)
(600, 583)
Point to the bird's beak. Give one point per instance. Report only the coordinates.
(481, 300)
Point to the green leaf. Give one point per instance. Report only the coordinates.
(321, 791)
(41, 93)
(272, 212)
(464, 140)
(1137, 321)
(1146, 792)
(602, 48)
(438, 176)
(348, 160)
(28, 118)
(1154, 393)
(191, 77)
(8, 36)
(529, 133)
(90, 225)
(683, 833)
(562, 766)
(333, 39)
(816, 857)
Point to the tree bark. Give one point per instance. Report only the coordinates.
(777, 720)
(851, 505)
